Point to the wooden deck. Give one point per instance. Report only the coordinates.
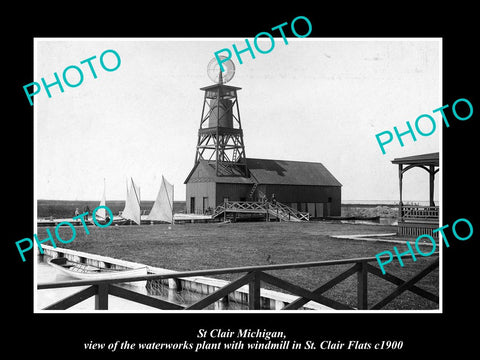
(276, 210)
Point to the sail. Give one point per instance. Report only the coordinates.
(132, 204)
(102, 213)
(162, 209)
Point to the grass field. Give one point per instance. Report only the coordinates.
(217, 245)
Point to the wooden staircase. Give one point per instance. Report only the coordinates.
(286, 213)
(252, 191)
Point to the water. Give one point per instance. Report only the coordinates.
(45, 273)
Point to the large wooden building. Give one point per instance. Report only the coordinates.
(222, 172)
(304, 186)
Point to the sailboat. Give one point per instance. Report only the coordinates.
(132, 204)
(162, 209)
(101, 214)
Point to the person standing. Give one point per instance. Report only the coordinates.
(86, 210)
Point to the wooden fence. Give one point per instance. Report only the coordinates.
(254, 277)
(417, 212)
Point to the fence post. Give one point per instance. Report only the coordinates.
(101, 297)
(362, 286)
(224, 211)
(254, 292)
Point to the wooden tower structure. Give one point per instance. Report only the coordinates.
(224, 180)
(220, 136)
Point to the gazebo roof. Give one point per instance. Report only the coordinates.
(423, 159)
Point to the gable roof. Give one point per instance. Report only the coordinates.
(273, 172)
(288, 172)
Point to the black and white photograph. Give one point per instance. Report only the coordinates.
(270, 189)
(289, 179)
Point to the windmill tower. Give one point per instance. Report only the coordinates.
(220, 136)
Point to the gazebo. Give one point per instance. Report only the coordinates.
(415, 220)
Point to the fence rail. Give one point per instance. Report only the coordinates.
(254, 277)
(418, 212)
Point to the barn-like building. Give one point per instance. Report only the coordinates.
(222, 172)
(304, 186)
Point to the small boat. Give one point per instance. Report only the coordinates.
(162, 209)
(101, 214)
(117, 220)
(340, 218)
(360, 218)
(368, 218)
(132, 210)
(90, 272)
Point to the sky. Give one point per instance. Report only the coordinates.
(315, 99)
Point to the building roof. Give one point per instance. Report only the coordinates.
(422, 159)
(204, 171)
(287, 172)
(273, 172)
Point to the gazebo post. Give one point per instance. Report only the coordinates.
(400, 180)
(432, 181)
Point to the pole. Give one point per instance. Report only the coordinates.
(400, 179)
(224, 210)
(173, 192)
(362, 287)
(432, 181)
(217, 150)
